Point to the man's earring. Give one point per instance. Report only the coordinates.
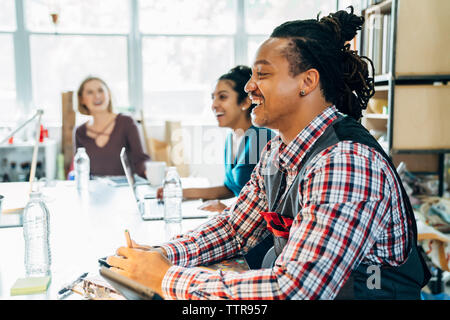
(302, 92)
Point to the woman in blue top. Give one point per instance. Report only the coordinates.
(232, 108)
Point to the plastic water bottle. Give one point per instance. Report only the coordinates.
(36, 232)
(172, 194)
(82, 169)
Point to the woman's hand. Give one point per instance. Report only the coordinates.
(213, 205)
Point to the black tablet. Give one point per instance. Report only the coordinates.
(130, 289)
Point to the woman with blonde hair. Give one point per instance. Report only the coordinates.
(107, 132)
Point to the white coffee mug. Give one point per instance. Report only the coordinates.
(155, 172)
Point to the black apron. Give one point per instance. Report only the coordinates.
(401, 282)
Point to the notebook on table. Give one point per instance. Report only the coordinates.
(133, 290)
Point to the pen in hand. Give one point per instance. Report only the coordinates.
(135, 246)
(127, 236)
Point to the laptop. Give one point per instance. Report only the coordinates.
(152, 208)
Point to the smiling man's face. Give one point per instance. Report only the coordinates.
(272, 88)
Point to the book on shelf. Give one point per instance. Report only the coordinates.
(377, 38)
(377, 53)
(368, 37)
(385, 63)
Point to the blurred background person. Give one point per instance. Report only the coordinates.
(107, 132)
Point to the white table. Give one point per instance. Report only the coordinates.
(83, 229)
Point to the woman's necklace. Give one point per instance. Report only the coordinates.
(102, 132)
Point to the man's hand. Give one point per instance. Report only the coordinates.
(146, 248)
(147, 267)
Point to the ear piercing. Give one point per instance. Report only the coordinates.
(302, 92)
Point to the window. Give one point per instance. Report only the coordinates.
(7, 15)
(7, 79)
(198, 45)
(253, 44)
(160, 56)
(187, 16)
(8, 95)
(180, 68)
(90, 38)
(78, 16)
(355, 3)
(179, 73)
(262, 16)
(60, 63)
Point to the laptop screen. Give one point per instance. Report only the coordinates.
(128, 172)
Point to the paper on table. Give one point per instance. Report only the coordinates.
(30, 285)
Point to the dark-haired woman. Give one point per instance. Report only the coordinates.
(324, 191)
(232, 108)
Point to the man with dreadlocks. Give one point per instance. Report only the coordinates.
(324, 207)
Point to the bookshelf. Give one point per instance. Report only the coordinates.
(409, 114)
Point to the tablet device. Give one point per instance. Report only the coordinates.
(130, 289)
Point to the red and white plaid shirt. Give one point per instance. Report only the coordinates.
(352, 212)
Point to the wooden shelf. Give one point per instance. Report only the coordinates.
(421, 117)
(416, 162)
(422, 51)
(378, 116)
(382, 88)
(380, 78)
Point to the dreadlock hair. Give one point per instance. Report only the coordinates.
(322, 44)
(239, 77)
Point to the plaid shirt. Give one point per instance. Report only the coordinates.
(351, 212)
